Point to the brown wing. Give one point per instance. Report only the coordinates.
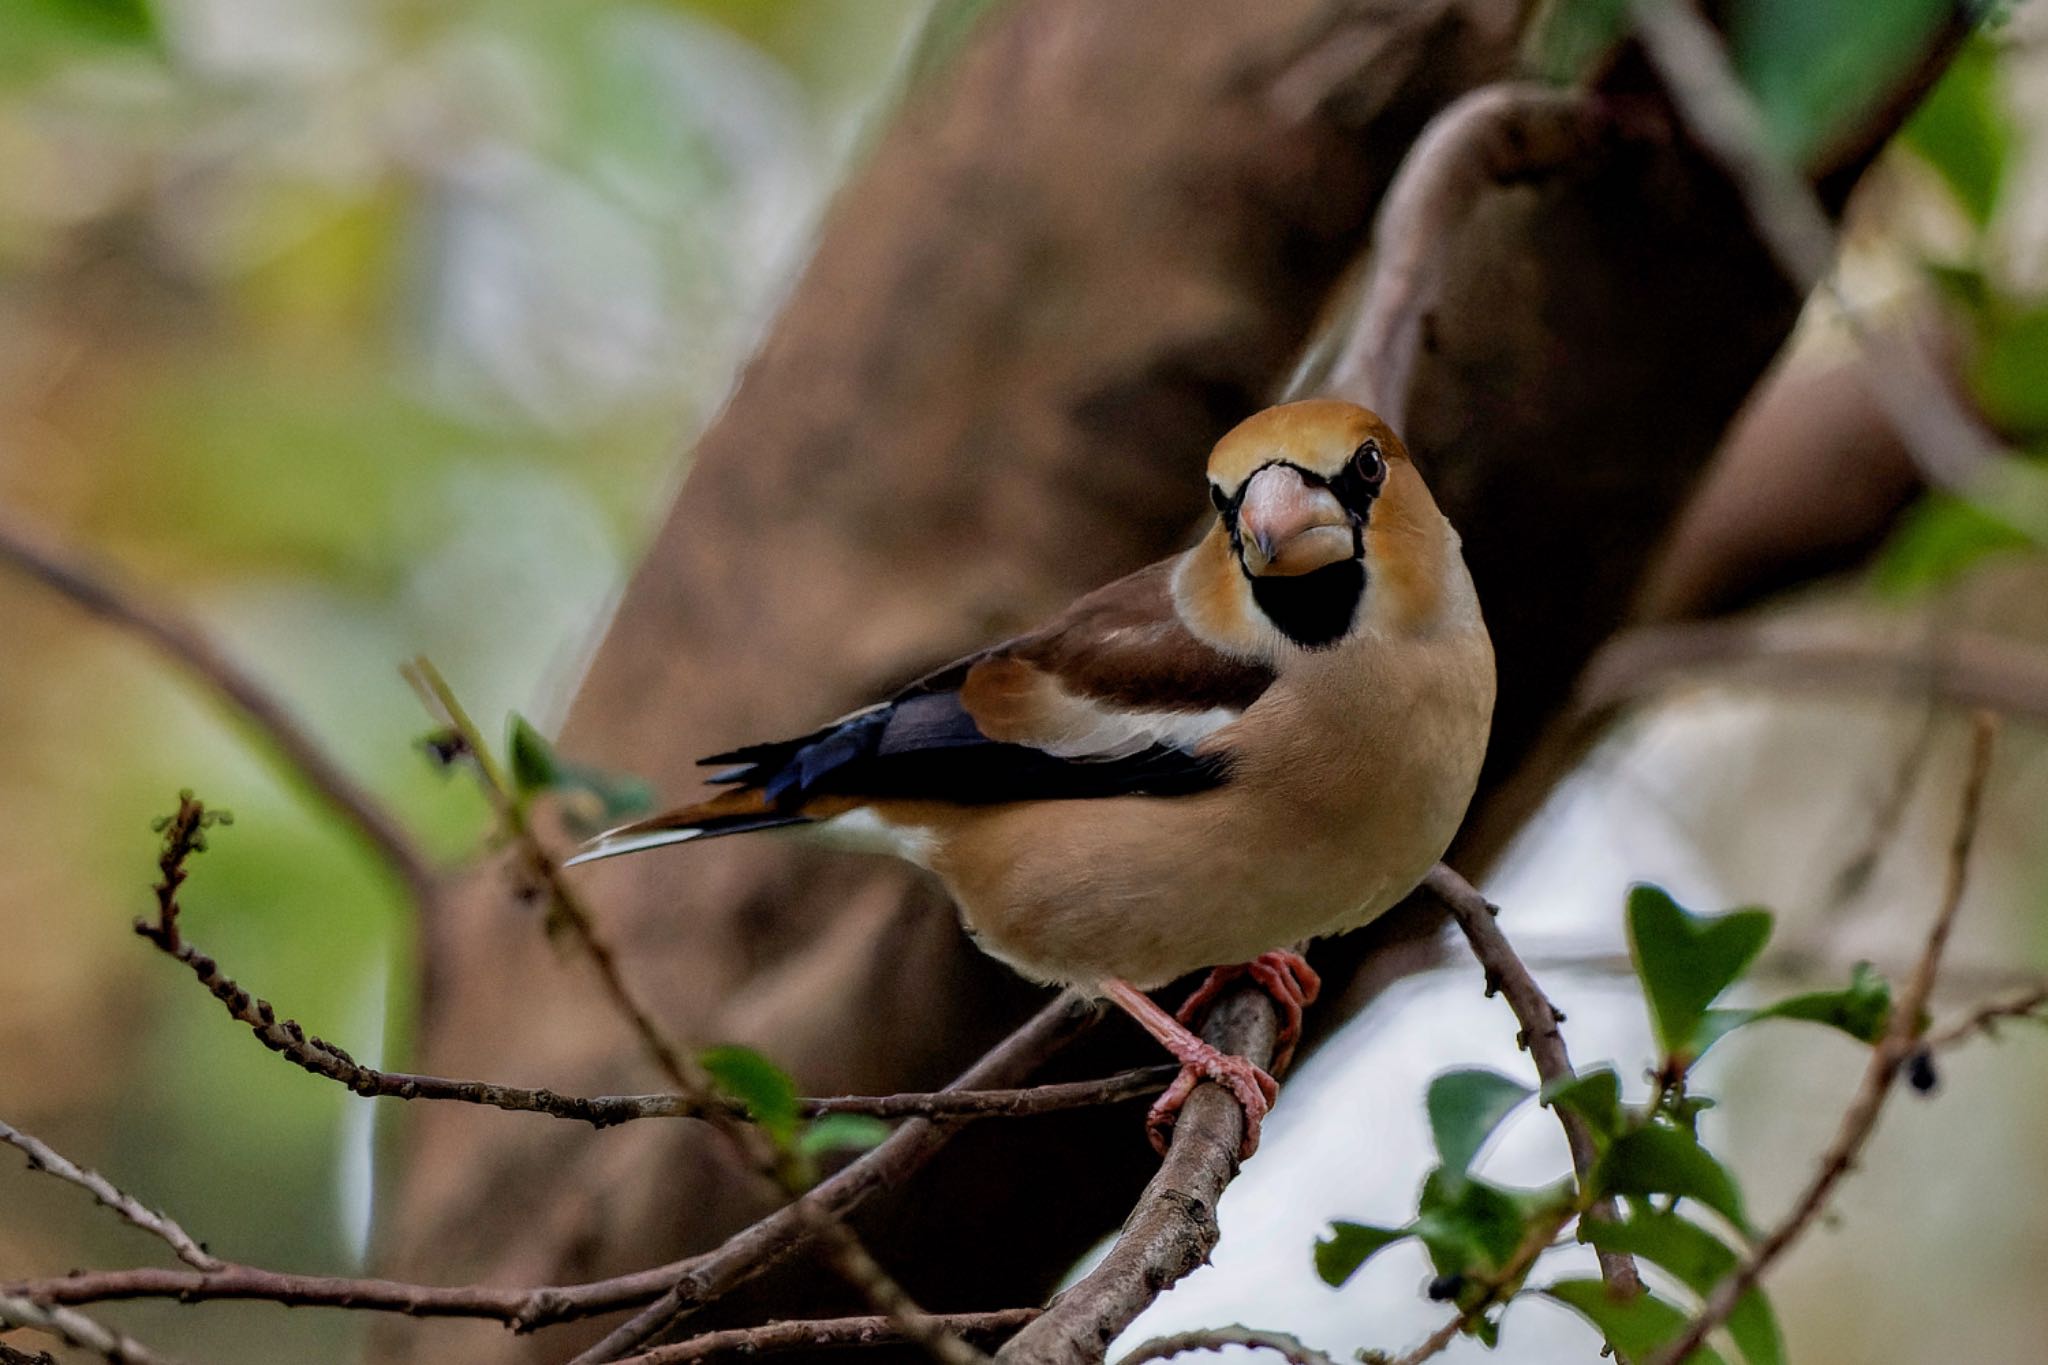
(1112, 698)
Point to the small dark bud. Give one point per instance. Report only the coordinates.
(444, 746)
(1920, 1072)
(1444, 1288)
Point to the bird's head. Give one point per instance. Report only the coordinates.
(1318, 504)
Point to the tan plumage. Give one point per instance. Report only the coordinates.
(1266, 739)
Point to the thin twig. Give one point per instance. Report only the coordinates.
(2031, 1004)
(322, 1058)
(773, 1165)
(182, 641)
(1535, 1241)
(567, 905)
(43, 1157)
(1289, 1348)
(1173, 1228)
(829, 1333)
(1961, 667)
(76, 1329)
(1507, 974)
(678, 1287)
(692, 1284)
(1903, 1037)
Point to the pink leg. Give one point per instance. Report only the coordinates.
(1254, 1089)
(1285, 975)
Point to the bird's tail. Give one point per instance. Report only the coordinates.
(733, 812)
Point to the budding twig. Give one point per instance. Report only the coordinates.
(1902, 1039)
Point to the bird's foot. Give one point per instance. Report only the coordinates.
(1254, 1088)
(1284, 975)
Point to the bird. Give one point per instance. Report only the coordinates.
(1266, 739)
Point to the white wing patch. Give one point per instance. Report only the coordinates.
(1083, 729)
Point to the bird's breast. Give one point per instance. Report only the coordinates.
(1347, 781)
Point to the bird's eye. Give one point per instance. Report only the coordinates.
(1370, 464)
(1219, 497)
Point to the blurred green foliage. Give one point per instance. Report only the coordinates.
(356, 330)
(1812, 65)
(1965, 134)
(40, 33)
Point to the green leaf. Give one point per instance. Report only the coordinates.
(1351, 1245)
(842, 1133)
(1570, 37)
(2012, 355)
(1594, 1096)
(1862, 1009)
(1464, 1109)
(1469, 1226)
(1698, 1260)
(763, 1087)
(1937, 539)
(532, 757)
(1962, 131)
(1658, 1159)
(1816, 67)
(1635, 1327)
(536, 767)
(38, 34)
(1686, 960)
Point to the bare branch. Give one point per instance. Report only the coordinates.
(76, 1329)
(183, 642)
(1902, 1039)
(1173, 1228)
(1962, 667)
(694, 1283)
(1507, 974)
(679, 1287)
(42, 1157)
(2030, 1004)
(1289, 1348)
(322, 1058)
(835, 1333)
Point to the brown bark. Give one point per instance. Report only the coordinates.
(1068, 267)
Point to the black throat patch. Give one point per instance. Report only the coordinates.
(1315, 610)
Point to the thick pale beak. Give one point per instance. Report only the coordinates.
(1290, 526)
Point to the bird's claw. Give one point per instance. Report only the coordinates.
(1284, 975)
(1254, 1088)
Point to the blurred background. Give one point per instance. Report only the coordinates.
(357, 330)
(360, 330)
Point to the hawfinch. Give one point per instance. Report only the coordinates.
(1268, 738)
